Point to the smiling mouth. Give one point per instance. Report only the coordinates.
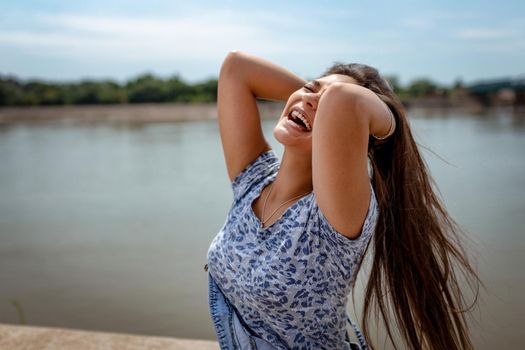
(298, 118)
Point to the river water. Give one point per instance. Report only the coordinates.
(106, 226)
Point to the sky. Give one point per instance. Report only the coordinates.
(442, 40)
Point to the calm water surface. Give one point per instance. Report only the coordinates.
(106, 227)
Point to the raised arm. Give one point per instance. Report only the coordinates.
(346, 115)
(243, 79)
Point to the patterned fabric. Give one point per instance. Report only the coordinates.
(289, 282)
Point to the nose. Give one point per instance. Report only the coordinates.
(311, 100)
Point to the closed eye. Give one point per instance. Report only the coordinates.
(309, 87)
(312, 86)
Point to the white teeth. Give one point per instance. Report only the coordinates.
(297, 114)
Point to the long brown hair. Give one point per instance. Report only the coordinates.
(419, 262)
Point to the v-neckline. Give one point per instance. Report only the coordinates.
(258, 194)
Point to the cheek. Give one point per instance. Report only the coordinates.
(294, 98)
(285, 109)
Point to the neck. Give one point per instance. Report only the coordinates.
(294, 176)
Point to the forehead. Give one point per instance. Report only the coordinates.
(336, 78)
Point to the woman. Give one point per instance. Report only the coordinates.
(286, 259)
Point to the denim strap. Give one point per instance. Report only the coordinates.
(359, 336)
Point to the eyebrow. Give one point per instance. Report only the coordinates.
(316, 83)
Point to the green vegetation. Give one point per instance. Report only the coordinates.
(148, 88)
(418, 88)
(143, 89)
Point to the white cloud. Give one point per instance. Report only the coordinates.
(209, 34)
(194, 44)
(142, 38)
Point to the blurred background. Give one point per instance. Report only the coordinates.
(112, 180)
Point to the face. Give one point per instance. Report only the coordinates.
(295, 126)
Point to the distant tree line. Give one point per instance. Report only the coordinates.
(143, 89)
(423, 87)
(148, 88)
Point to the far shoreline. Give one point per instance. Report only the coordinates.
(124, 113)
(162, 112)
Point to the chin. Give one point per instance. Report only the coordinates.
(292, 141)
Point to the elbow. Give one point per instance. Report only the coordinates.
(231, 57)
(231, 63)
(348, 98)
(344, 94)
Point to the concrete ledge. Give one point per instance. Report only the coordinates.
(15, 337)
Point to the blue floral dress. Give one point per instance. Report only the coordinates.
(288, 282)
